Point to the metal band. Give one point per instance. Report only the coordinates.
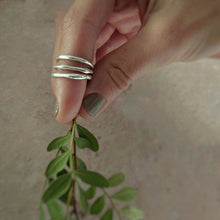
(71, 76)
(79, 69)
(79, 59)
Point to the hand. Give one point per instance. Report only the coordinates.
(126, 39)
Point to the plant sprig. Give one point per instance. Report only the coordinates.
(66, 171)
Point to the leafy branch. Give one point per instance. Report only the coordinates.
(66, 171)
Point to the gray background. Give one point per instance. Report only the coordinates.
(163, 132)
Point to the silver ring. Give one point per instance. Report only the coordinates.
(86, 73)
(79, 59)
(79, 69)
(71, 76)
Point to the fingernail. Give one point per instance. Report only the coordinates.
(56, 109)
(93, 103)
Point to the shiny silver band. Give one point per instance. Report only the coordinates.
(71, 76)
(78, 69)
(85, 73)
(79, 59)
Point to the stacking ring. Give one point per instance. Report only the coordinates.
(71, 76)
(84, 73)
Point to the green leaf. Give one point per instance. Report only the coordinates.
(58, 142)
(64, 197)
(57, 165)
(92, 178)
(64, 148)
(126, 194)
(116, 179)
(98, 206)
(84, 133)
(62, 172)
(83, 201)
(132, 213)
(108, 215)
(57, 188)
(42, 217)
(80, 164)
(90, 193)
(55, 210)
(82, 142)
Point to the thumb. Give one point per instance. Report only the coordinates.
(77, 36)
(148, 50)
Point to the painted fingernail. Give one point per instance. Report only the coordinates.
(56, 109)
(93, 103)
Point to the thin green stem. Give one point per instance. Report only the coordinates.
(73, 166)
(68, 203)
(42, 193)
(112, 203)
(71, 144)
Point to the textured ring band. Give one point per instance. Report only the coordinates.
(71, 76)
(79, 69)
(79, 59)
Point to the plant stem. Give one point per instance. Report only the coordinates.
(68, 203)
(70, 129)
(71, 144)
(112, 203)
(73, 166)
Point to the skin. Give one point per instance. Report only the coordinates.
(126, 39)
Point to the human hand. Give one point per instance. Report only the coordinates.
(126, 39)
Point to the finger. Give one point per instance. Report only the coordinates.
(125, 24)
(148, 50)
(115, 41)
(80, 28)
(104, 35)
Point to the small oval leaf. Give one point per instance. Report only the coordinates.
(82, 142)
(92, 178)
(64, 149)
(58, 142)
(126, 194)
(116, 179)
(56, 165)
(83, 200)
(62, 172)
(80, 164)
(64, 197)
(108, 215)
(132, 213)
(57, 188)
(90, 193)
(98, 206)
(84, 133)
(55, 210)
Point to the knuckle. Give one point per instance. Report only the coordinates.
(83, 21)
(120, 79)
(69, 19)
